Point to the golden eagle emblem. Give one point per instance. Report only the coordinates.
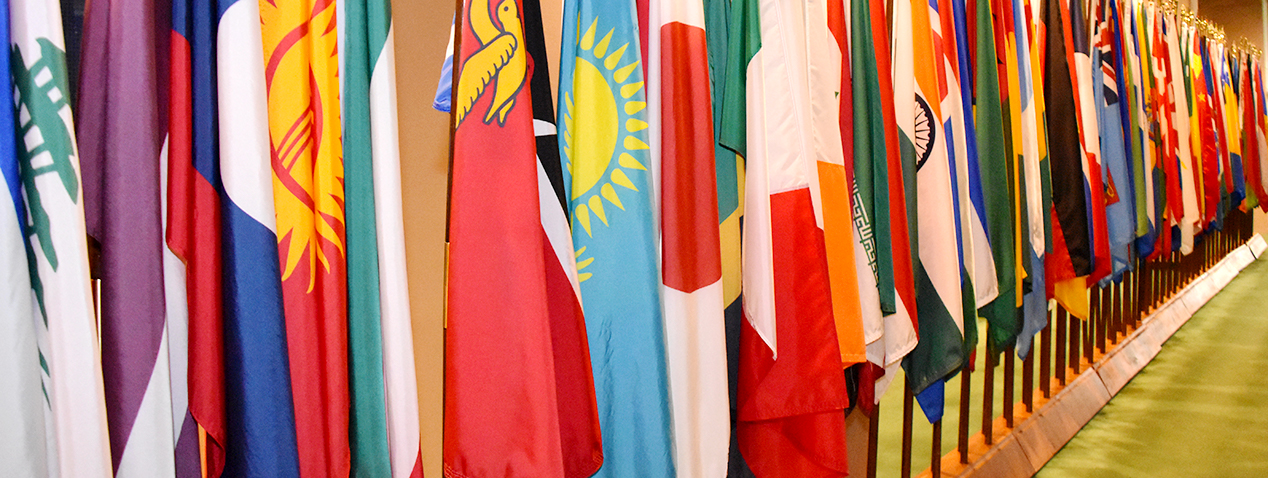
(499, 60)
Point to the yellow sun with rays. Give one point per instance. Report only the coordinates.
(600, 126)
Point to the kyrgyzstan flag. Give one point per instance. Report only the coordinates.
(788, 343)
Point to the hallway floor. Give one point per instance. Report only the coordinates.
(1199, 409)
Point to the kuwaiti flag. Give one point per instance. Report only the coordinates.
(57, 252)
(121, 140)
(194, 213)
(918, 109)
(681, 134)
(260, 418)
(358, 53)
(396, 323)
(24, 436)
(609, 190)
(788, 341)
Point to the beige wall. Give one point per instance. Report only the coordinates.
(422, 31)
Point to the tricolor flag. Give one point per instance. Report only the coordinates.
(57, 253)
(260, 437)
(363, 34)
(918, 109)
(603, 124)
(1035, 180)
(875, 142)
(978, 262)
(193, 233)
(121, 132)
(25, 448)
(788, 341)
(681, 135)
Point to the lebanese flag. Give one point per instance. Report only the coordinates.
(681, 130)
(791, 389)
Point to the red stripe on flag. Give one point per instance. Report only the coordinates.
(193, 233)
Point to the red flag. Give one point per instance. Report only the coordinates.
(502, 405)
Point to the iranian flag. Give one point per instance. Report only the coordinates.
(57, 253)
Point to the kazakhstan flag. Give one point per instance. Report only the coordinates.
(603, 131)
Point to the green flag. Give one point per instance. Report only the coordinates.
(1001, 313)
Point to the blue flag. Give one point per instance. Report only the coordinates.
(603, 143)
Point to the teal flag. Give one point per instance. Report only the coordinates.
(603, 142)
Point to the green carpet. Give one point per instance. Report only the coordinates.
(1200, 408)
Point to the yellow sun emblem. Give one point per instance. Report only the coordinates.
(600, 127)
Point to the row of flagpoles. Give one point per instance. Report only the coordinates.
(235, 166)
(899, 173)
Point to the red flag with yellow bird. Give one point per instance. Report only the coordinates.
(301, 67)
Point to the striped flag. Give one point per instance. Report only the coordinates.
(396, 324)
(121, 137)
(25, 446)
(57, 253)
(260, 437)
(194, 235)
(979, 265)
(362, 39)
(681, 134)
(1035, 178)
(308, 192)
(788, 342)
(609, 185)
(893, 336)
(918, 108)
